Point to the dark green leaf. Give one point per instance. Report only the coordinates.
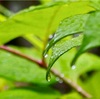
(62, 47)
(91, 34)
(69, 26)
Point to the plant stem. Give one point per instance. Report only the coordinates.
(8, 49)
(72, 84)
(43, 64)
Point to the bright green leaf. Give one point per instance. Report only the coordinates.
(91, 34)
(2, 18)
(38, 93)
(72, 95)
(41, 20)
(95, 4)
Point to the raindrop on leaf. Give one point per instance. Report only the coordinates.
(49, 78)
(46, 56)
(73, 67)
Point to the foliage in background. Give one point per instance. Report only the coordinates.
(71, 24)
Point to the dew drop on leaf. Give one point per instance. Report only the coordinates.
(49, 78)
(60, 81)
(57, 79)
(46, 56)
(73, 67)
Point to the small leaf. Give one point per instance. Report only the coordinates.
(68, 26)
(62, 47)
(91, 34)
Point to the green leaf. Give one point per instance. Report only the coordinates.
(38, 93)
(72, 95)
(68, 26)
(34, 40)
(86, 62)
(5, 11)
(92, 85)
(95, 4)
(41, 20)
(19, 69)
(62, 47)
(2, 18)
(91, 34)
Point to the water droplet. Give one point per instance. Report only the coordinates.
(51, 36)
(57, 79)
(46, 56)
(60, 81)
(62, 75)
(73, 67)
(49, 78)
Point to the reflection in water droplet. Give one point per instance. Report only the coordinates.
(60, 81)
(73, 67)
(62, 75)
(51, 36)
(48, 79)
(46, 56)
(57, 79)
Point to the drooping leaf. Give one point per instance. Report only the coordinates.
(68, 26)
(19, 69)
(38, 93)
(40, 20)
(91, 34)
(60, 48)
